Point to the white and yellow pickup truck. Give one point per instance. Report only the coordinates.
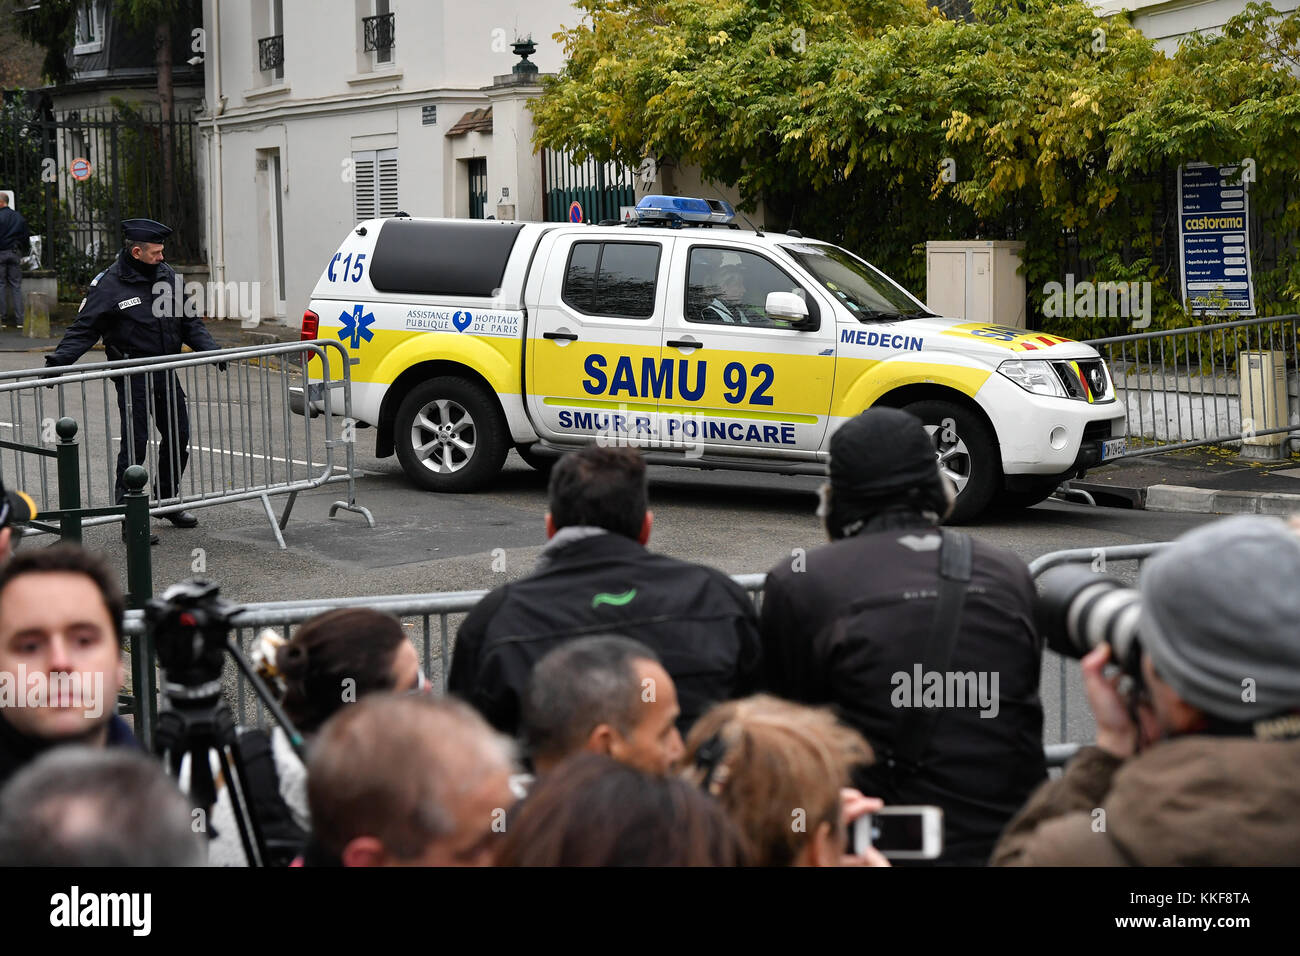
(706, 347)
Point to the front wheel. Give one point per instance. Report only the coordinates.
(450, 435)
(1030, 493)
(967, 453)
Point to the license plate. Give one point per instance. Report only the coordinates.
(1114, 448)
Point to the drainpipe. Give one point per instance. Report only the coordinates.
(219, 108)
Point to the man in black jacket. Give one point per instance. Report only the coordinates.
(13, 246)
(596, 577)
(852, 628)
(133, 307)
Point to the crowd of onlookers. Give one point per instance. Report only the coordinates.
(620, 707)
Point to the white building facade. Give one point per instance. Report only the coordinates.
(321, 113)
(1167, 22)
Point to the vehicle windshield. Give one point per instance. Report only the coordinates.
(861, 288)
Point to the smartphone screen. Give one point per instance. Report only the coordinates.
(902, 833)
(898, 831)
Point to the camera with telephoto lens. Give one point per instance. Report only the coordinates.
(190, 624)
(1077, 610)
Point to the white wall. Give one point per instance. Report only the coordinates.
(335, 100)
(1166, 22)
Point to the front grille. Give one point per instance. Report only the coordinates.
(1095, 384)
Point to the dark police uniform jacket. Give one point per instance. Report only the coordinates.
(837, 631)
(119, 307)
(699, 621)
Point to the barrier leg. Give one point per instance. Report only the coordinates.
(139, 577)
(275, 525)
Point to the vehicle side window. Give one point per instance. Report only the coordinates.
(612, 278)
(730, 287)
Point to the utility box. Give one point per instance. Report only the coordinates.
(977, 280)
(1262, 378)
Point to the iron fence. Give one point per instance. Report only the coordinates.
(598, 189)
(78, 173)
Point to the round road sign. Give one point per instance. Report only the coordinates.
(80, 169)
(575, 211)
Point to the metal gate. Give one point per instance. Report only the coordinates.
(77, 174)
(597, 189)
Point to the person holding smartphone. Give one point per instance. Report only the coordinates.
(781, 771)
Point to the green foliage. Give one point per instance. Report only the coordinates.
(51, 25)
(1064, 129)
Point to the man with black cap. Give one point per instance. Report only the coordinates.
(921, 639)
(1209, 774)
(122, 308)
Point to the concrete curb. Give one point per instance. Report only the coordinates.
(1212, 501)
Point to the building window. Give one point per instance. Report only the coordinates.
(270, 49)
(90, 27)
(379, 32)
(374, 184)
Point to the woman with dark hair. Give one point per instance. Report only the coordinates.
(593, 811)
(332, 660)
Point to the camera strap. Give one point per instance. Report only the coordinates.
(917, 724)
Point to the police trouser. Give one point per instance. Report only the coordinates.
(161, 393)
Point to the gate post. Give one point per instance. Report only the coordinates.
(69, 480)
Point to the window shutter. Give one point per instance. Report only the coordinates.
(363, 185)
(387, 178)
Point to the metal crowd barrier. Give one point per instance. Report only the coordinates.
(1182, 388)
(245, 443)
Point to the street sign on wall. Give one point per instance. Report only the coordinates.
(1214, 239)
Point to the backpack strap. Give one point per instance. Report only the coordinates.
(917, 723)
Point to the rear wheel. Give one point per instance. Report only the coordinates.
(450, 435)
(967, 453)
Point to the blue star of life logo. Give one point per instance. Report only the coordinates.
(356, 326)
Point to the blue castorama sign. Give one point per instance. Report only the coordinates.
(1214, 239)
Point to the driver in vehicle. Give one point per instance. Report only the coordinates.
(728, 306)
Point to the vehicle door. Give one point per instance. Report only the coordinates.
(744, 383)
(595, 338)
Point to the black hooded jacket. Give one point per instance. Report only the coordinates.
(841, 630)
(700, 623)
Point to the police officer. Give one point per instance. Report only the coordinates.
(122, 308)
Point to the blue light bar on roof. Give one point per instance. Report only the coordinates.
(685, 209)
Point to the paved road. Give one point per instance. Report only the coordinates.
(738, 522)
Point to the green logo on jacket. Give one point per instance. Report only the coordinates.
(618, 600)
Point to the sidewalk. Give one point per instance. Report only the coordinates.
(1208, 480)
(228, 333)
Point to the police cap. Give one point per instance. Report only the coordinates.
(144, 230)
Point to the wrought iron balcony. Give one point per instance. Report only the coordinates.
(270, 52)
(379, 32)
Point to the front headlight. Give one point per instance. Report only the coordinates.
(1034, 376)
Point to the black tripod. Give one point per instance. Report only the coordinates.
(196, 730)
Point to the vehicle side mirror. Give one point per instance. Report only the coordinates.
(788, 307)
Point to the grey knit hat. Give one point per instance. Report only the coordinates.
(1221, 617)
